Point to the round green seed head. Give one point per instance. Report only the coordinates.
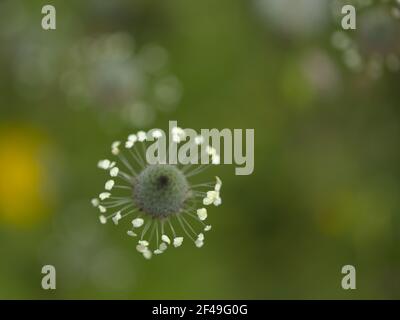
(160, 190)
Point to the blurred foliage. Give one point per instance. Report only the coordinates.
(325, 188)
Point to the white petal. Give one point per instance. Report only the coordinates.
(207, 228)
(95, 202)
(103, 219)
(109, 185)
(141, 135)
(102, 209)
(166, 239)
(131, 233)
(117, 217)
(178, 241)
(138, 222)
(104, 195)
(114, 172)
(202, 214)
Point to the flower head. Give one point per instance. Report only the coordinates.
(162, 204)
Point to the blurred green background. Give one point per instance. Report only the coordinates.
(325, 190)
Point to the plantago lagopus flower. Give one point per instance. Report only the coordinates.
(162, 204)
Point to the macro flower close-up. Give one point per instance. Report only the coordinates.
(163, 206)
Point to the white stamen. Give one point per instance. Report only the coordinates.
(178, 241)
(104, 195)
(129, 144)
(199, 243)
(141, 248)
(218, 185)
(202, 214)
(143, 243)
(166, 239)
(116, 217)
(114, 147)
(141, 135)
(114, 172)
(147, 254)
(137, 223)
(95, 202)
(103, 219)
(132, 137)
(215, 159)
(104, 164)
(109, 185)
(156, 134)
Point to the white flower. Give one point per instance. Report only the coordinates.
(163, 246)
(103, 219)
(137, 223)
(202, 214)
(114, 172)
(158, 251)
(178, 241)
(117, 217)
(109, 185)
(166, 239)
(207, 228)
(102, 209)
(115, 147)
(104, 195)
(200, 237)
(95, 202)
(141, 135)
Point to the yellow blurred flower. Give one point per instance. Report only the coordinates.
(25, 195)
